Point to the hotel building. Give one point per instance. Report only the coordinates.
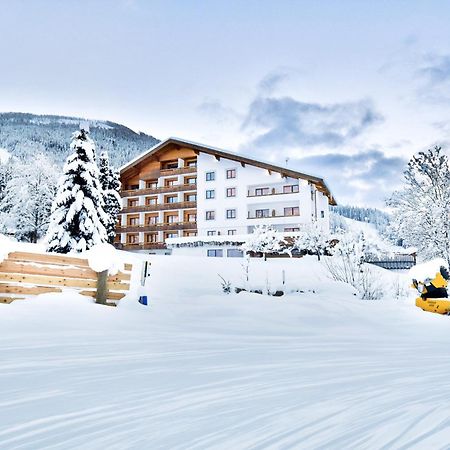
(181, 189)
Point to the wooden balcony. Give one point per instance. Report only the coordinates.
(167, 172)
(160, 207)
(141, 246)
(159, 190)
(163, 226)
(269, 194)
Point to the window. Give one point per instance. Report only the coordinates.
(294, 211)
(191, 217)
(231, 232)
(171, 199)
(215, 253)
(211, 233)
(151, 184)
(191, 163)
(262, 213)
(210, 176)
(211, 193)
(210, 215)
(170, 235)
(151, 200)
(234, 253)
(322, 214)
(191, 180)
(231, 192)
(133, 221)
(170, 165)
(262, 191)
(151, 237)
(231, 214)
(190, 197)
(133, 238)
(290, 189)
(133, 187)
(133, 202)
(231, 173)
(172, 218)
(151, 220)
(170, 182)
(189, 233)
(291, 230)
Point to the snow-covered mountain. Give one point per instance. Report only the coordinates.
(24, 135)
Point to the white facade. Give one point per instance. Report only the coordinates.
(255, 197)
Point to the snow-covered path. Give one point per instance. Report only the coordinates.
(215, 371)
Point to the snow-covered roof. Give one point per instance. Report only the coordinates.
(317, 181)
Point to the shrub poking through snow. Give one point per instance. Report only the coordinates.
(264, 239)
(110, 182)
(226, 284)
(313, 239)
(78, 217)
(347, 265)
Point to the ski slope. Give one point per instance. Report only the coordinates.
(199, 369)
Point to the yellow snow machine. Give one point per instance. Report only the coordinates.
(433, 293)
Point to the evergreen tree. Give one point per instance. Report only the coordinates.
(110, 182)
(28, 197)
(313, 239)
(264, 239)
(77, 217)
(422, 208)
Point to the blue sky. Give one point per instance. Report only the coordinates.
(344, 89)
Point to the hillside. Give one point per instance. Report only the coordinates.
(23, 135)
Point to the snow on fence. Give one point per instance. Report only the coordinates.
(396, 263)
(23, 274)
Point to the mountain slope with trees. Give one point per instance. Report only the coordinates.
(23, 135)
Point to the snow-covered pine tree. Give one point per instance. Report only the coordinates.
(77, 218)
(422, 208)
(110, 182)
(28, 198)
(264, 239)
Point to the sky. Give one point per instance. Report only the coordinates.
(346, 90)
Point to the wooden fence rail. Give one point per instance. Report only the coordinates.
(23, 274)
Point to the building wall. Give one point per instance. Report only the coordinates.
(247, 179)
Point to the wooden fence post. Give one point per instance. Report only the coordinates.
(102, 287)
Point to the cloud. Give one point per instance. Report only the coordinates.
(364, 178)
(214, 109)
(434, 78)
(284, 122)
(271, 81)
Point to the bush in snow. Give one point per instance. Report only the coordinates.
(347, 265)
(422, 208)
(77, 217)
(110, 182)
(226, 284)
(28, 197)
(264, 239)
(312, 239)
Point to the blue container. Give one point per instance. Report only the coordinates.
(143, 300)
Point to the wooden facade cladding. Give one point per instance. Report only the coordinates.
(159, 207)
(167, 172)
(174, 226)
(159, 190)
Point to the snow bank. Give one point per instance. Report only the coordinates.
(104, 257)
(6, 246)
(427, 269)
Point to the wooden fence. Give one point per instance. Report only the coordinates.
(24, 274)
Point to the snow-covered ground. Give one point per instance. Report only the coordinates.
(200, 369)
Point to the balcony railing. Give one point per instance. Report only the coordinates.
(141, 246)
(159, 207)
(249, 194)
(273, 216)
(163, 226)
(168, 172)
(159, 190)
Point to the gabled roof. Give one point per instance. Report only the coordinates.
(218, 153)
